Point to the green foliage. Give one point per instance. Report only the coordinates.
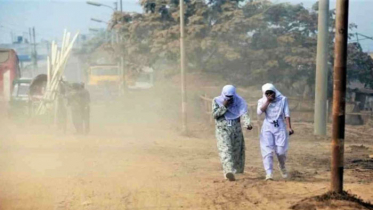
(248, 42)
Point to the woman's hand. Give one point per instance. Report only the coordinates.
(227, 103)
(291, 131)
(271, 97)
(265, 105)
(288, 123)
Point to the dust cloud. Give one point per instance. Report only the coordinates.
(135, 158)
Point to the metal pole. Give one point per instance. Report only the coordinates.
(321, 85)
(121, 7)
(35, 53)
(183, 66)
(48, 49)
(339, 94)
(12, 36)
(111, 37)
(29, 31)
(30, 44)
(122, 75)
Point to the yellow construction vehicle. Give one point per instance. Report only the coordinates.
(107, 74)
(105, 80)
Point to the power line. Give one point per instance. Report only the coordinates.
(44, 34)
(12, 29)
(12, 24)
(366, 37)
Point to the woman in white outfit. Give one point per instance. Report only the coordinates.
(274, 136)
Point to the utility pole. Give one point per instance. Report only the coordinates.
(30, 37)
(31, 49)
(12, 37)
(121, 7)
(182, 67)
(321, 86)
(35, 53)
(339, 95)
(47, 46)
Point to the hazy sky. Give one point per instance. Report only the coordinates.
(50, 17)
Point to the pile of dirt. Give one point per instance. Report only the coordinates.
(355, 148)
(331, 201)
(296, 175)
(360, 163)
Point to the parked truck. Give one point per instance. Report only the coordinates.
(110, 80)
(104, 80)
(9, 71)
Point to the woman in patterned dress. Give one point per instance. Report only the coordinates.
(228, 111)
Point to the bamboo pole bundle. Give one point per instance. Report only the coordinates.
(56, 64)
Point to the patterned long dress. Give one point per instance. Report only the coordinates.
(230, 140)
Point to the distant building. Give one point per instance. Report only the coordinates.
(24, 50)
(361, 95)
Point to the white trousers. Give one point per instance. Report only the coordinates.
(273, 139)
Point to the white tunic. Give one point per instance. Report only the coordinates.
(274, 136)
(276, 110)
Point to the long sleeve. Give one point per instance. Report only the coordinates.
(246, 119)
(260, 104)
(218, 111)
(286, 108)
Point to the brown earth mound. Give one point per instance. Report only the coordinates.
(331, 201)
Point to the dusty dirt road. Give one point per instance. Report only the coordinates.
(134, 159)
